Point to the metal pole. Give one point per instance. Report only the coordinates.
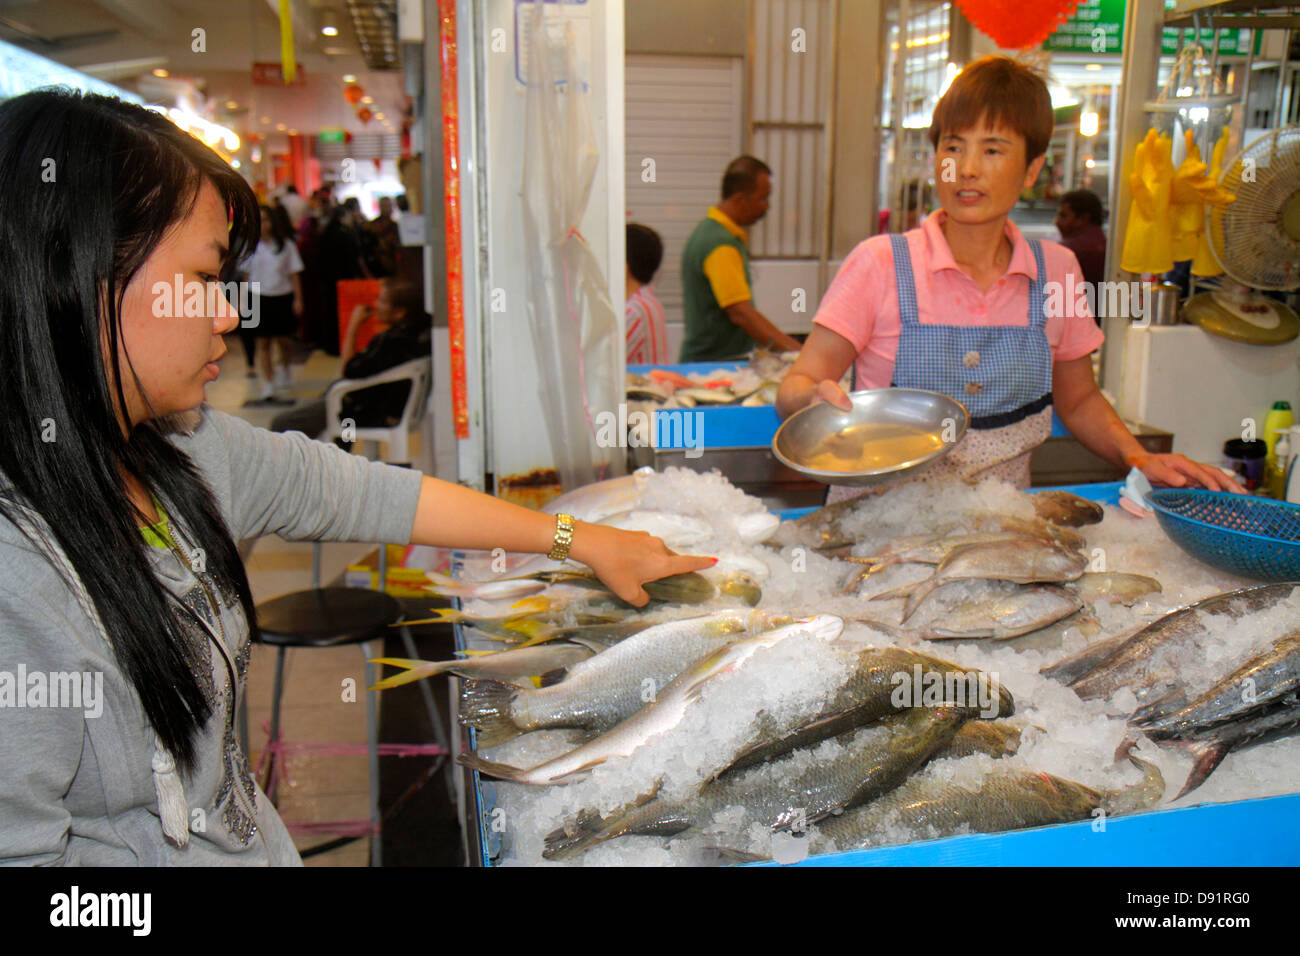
(828, 206)
(900, 80)
(1245, 83)
(1276, 119)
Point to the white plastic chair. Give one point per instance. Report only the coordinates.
(420, 374)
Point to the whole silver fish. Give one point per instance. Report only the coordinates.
(687, 588)
(1130, 664)
(926, 549)
(610, 687)
(1116, 587)
(1004, 800)
(1022, 562)
(883, 681)
(504, 666)
(1003, 616)
(872, 761)
(659, 716)
(601, 499)
(1258, 683)
(1052, 636)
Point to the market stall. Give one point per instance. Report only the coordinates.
(1252, 785)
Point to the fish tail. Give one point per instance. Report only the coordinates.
(415, 670)
(487, 706)
(917, 596)
(905, 591)
(1145, 794)
(500, 771)
(1206, 757)
(535, 631)
(584, 831)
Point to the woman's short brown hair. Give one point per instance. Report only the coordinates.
(1004, 92)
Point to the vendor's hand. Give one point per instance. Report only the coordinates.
(1179, 471)
(297, 307)
(624, 560)
(828, 391)
(359, 315)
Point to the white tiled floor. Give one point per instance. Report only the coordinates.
(314, 787)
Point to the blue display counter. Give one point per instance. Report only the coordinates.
(1260, 832)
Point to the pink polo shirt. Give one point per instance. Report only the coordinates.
(862, 302)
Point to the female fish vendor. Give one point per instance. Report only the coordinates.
(964, 305)
(104, 434)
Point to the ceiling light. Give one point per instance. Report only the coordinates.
(231, 104)
(328, 19)
(1093, 66)
(349, 77)
(367, 100)
(281, 127)
(161, 73)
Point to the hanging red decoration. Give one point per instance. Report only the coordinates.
(347, 137)
(364, 114)
(353, 93)
(1014, 24)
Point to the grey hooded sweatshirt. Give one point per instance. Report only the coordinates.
(77, 766)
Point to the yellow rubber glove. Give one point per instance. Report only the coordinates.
(1186, 207)
(1204, 264)
(1146, 239)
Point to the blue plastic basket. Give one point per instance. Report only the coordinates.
(1255, 538)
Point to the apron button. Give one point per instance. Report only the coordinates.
(974, 388)
(971, 359)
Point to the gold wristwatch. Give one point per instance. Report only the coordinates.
(563, 538)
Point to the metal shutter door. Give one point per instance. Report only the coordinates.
(685, 114)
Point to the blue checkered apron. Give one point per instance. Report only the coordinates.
(1002, 374)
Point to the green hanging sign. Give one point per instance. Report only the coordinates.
(1097, 26)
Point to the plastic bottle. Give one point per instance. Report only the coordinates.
(1279, 417)
(1277, 473)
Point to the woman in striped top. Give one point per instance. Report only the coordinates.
(647, 333)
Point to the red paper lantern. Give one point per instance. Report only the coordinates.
(1014, 24)
(353, 93)
(364, 114)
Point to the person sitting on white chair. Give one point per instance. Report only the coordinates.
(405, 334)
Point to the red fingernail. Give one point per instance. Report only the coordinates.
(712, 561)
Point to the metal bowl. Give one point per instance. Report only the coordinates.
(889, 431)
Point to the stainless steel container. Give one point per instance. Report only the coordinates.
(1162, 303)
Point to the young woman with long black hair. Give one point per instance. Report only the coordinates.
(122, 497)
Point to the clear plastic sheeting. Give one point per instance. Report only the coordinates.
(573, 323)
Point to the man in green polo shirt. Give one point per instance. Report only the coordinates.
(721, 321)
